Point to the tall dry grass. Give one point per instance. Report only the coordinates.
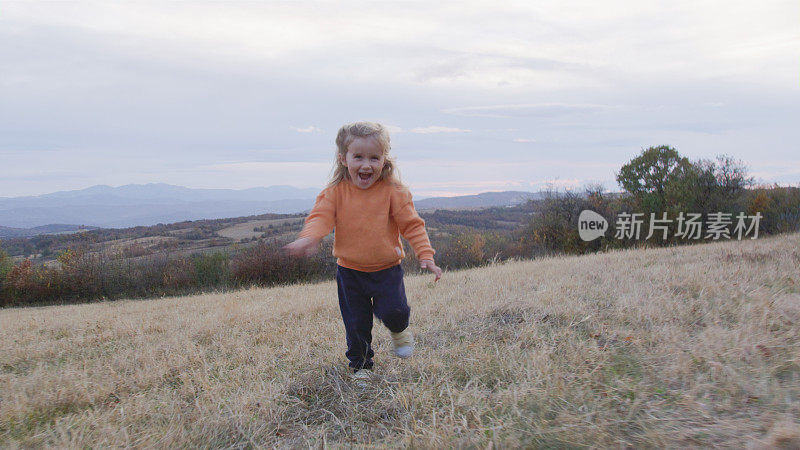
(669, 347)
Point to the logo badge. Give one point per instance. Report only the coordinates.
(591, 225)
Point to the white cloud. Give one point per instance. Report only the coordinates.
(564, 184)
(524, 140)
(393, 129)
(263, 166)
(437, 129)
(308, 129)
(525, 110)
(244, 174)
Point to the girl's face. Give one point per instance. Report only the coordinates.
(364, 161)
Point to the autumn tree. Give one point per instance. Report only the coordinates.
(652, 175)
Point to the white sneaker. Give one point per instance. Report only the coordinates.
(403, 343)
(363, 377)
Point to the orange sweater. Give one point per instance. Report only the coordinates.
(368, 225)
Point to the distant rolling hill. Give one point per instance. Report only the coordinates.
(150, 204)
(484, 200)
(9, 232)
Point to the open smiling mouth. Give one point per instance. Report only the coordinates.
(364, 176)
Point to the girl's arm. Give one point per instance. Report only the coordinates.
(318, 224)
(430, 265)
(302, 247)
(412, 227)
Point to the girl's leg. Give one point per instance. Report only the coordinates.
(389, 298)
(356, 309)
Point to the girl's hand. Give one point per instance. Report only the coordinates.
(430, 265)
(302, 247)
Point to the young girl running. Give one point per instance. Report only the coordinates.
(369, 208)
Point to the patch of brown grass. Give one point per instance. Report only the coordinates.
(245, 229)
(675, 347)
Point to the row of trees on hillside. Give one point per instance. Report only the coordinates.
(661, 180)
(661, 183)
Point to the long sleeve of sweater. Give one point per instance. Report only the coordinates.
(321, 219)
(411, 225)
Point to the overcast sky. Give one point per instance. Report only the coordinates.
(478, 96)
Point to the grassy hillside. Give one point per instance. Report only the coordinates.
(687, 346)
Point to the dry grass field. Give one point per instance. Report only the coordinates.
(245, 230)
(692, 346)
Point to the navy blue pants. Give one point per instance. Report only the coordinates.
(362, 294)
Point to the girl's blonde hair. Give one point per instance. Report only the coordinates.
(347, 134)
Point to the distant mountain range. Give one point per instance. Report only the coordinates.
(484, 200)
(149, 204)
(56, 228)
